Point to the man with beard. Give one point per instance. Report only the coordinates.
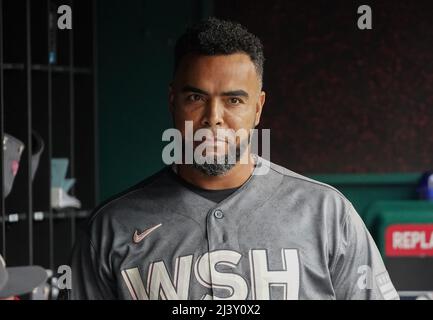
(222, 229)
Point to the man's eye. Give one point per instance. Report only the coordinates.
(194, 97)
(235, 101)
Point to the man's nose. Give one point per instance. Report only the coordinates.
(213, 116)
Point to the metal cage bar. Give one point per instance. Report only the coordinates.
(50, 142)
(2, 202)
(29, 132)
(95, 100)
(72, 116)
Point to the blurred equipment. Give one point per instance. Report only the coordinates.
(403, 230)
(416, 295)
(425, 186)
(17, 281)
(37, 149)
(12, 151)
(60, 186)
(52, 35)
(48, 290)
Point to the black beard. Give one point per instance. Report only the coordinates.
(217, 169)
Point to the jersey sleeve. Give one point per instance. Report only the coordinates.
(91, 278)
(358, 271)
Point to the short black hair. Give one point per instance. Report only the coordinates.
(219, 37)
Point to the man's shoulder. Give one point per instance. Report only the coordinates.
(127, 200)
(320, 198)
(300, 182)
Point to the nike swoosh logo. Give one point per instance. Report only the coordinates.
(139, 237)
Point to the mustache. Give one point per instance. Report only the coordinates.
(211, 135)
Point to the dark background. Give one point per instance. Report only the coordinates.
(339, 99)
(342, 99)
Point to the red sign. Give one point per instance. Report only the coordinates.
(409, 240)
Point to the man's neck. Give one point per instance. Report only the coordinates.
(234, 178)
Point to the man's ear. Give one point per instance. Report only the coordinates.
(259, 107)
(170, 98)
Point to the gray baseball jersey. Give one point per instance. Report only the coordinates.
(279, 236)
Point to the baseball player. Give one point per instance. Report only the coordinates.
(220, 230)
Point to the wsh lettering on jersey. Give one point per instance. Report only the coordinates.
(159, 284)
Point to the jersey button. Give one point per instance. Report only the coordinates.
(218, 214)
